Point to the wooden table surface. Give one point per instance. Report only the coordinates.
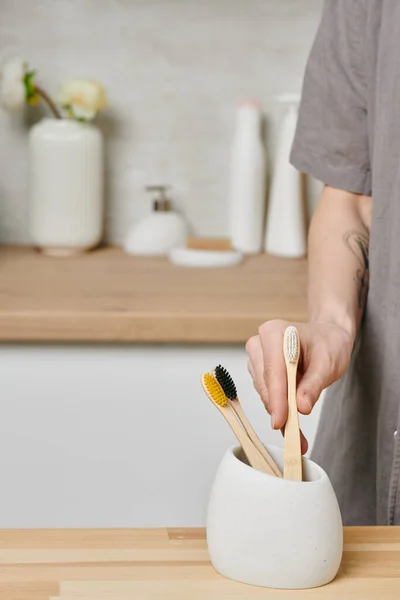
(172, 564)
(107, 296)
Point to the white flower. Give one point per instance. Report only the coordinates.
(12, 87)
(83, 98)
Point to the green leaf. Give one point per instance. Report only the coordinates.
(30, 91)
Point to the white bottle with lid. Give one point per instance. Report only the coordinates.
(247, 181)
(286, 228)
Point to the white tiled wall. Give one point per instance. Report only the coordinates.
(174, 70)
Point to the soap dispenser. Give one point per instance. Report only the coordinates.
(159, 232)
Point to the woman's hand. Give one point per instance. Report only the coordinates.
(325, 355)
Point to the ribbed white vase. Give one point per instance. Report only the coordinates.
(66, 186)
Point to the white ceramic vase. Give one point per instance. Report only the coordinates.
(66, 186)
(273, 532)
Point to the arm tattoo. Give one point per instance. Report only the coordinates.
(358, 244)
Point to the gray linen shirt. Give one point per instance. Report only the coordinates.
(348, 136)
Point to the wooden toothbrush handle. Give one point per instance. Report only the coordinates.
(238, 408)
(292, 452)
(254, 457)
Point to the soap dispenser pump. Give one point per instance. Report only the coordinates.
(159, 232)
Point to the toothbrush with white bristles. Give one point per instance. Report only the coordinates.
(292, 463)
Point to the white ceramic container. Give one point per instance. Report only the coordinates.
(66, 186)
(272, 532)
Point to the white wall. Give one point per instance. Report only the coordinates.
(114, 436)
(174, 70)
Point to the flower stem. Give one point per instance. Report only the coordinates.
(49, 102)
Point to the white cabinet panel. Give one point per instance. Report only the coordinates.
(114, 436)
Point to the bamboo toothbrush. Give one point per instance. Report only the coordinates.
(292, 468)
(228, 385)
(217, 396)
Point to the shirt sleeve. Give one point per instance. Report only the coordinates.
(331, 141)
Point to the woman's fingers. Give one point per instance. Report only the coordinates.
(316, 378)
(325, 354)
(256, 368)
(267, 368)
(303, 441)
(274, 375)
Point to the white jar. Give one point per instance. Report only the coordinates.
(273, 532)
(66, 186)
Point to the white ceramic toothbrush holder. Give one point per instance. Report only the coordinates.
(272, 532)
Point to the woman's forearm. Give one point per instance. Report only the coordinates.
(338, 259)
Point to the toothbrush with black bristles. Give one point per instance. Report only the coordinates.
(216, 394)
(228, 385)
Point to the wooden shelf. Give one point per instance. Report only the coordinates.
(107, 296)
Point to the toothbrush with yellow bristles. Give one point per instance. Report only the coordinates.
(217, 396)
(228, 385)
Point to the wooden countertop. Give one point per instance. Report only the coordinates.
(172, 564)
(107, 296)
